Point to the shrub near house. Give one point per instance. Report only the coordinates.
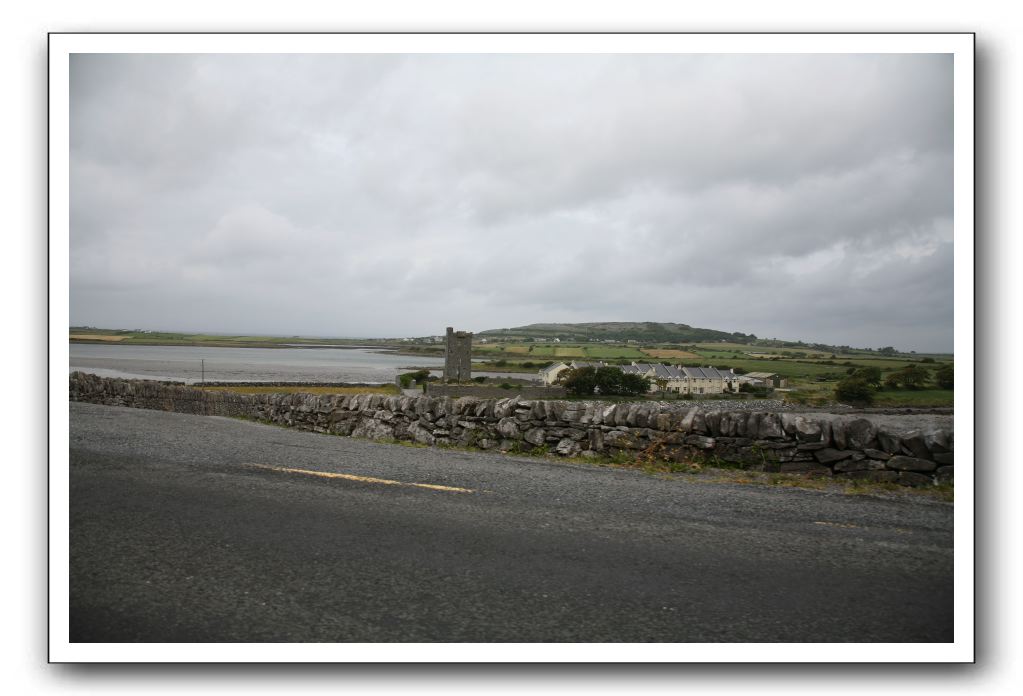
(607, 381)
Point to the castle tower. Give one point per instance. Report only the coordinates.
(457, 356)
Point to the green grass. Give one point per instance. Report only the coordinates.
(491, 366)
(918, 397)
(607, 351)
(809, 374)
(820, 393)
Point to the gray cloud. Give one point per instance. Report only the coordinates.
(797, 196)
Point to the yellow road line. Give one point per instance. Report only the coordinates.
(839, 524)
(361, 479)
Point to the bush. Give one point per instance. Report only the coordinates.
(581, 381)
(759, 392)
(634, 385)
(608, 380)
(945, 376)
(407, 378)
(870, 375)
(909, 377)
(481, 380)
(855, 391)
(505, 385)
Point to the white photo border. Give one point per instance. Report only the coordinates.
(62, 45)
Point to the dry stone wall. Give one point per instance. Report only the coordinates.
(458, 390)
(912, 450)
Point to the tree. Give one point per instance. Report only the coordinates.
(945, 376)
(909, 377)
(408, 378)
(609, 381)
(870, 375)
(634, 385)
(580, 381)
(914, 376)
(854, 390)
(887, 350)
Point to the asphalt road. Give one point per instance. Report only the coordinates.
(189, 528)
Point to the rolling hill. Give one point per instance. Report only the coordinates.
(646, 331)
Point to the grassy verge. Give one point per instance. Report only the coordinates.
(920, 397)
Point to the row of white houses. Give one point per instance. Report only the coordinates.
(672, 378)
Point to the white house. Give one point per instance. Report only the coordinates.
(685, 380)
(549, 375)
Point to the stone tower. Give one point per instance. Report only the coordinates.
(457, 356)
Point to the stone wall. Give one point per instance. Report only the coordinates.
(912, 450)
(493, 392)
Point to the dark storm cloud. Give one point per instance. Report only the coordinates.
(788, 195)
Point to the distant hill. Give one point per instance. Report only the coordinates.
(647, 331)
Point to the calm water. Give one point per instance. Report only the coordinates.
(182, 363)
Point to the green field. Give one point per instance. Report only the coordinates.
(919, 397)
(807, 370)
(563, 351)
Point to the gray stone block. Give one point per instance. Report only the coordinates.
(859, 465)
(913, 444)
(700, 441)
(770, 426)
(936, 441)
(534, 436)
(567, 447)
(889, 442)
(860, 434)
(508, 428)
(830, 455)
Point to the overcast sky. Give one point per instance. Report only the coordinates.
(791, 196)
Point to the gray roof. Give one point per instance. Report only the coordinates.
(667, 372)
(673, 372)
(708, 373)
(551, 368)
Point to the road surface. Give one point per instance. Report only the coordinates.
(194, 529)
